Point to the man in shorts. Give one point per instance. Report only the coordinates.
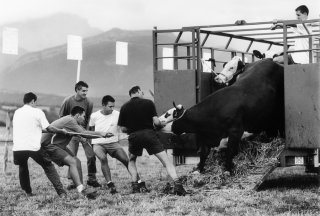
(137, 118)
(106, 120)
(56, 146)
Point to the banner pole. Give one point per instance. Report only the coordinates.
(78, 70)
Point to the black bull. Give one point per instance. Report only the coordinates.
(254, 103)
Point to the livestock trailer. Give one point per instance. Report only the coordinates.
(184, 70)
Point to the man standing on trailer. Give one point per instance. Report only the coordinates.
(302, 13)
(80, 99)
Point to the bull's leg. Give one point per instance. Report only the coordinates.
(232, 148)
(205, 146)
(204, 152)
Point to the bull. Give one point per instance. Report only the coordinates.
(254, 103)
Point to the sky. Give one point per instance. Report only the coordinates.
(145, 14)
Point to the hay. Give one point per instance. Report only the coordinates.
(256, 155)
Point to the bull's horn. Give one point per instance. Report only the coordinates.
(174, 104)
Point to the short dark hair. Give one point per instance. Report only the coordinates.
(80, 84)
(106, 99)
(77, 110)
(134, 90)
(28, 97)
(303, 9)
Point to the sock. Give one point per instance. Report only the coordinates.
(139, 181)
(80, 188)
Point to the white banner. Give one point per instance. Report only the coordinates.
(167, 63)
(74, 47)
(121, 53)
(10, 41)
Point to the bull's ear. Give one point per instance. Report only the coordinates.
(174, 104)
(257, 54)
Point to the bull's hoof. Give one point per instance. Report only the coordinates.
(197, 169)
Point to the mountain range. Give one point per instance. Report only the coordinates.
(48, 71)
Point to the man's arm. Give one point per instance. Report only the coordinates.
(157, 123)
(52, 129)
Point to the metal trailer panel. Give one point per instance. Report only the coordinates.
(302, 105)
(174, 85)
(207, 85)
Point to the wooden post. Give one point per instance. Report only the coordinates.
(7, 140)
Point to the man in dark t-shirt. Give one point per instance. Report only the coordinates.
(138, 118)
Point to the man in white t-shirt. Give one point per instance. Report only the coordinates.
(28, 124)
(302, 13)
(106, 120)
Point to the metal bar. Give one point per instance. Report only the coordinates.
(251, 42)
(177, 44)
(255, 34)
(173, 57)
(269, 46)
(285, 47)
(305, 50)
(188, 59)
(240, 37)
(178, 37)
(212, 56)
(175, 60)
(303, 36)
(227, 45)
(310, 45)
(239, 30)
(228, 25)
(171, 30)
(193, 51)
(290, 22)
(205, 40)
(199, 67)
(155, 49)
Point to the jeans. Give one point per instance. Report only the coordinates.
(21, 159)
(91, 158)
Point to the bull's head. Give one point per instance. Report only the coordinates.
(231, 69)
(169, 116)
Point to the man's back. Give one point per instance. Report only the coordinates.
(28, 123)
(137, 114)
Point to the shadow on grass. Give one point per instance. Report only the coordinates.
(307, 181)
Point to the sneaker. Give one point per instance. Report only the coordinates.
(71, 186)
(143, 188)
(112, 188)
(178, 189)
(93, 183)
(135, 187)
(90, 194)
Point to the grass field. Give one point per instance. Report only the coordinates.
(288, 192)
